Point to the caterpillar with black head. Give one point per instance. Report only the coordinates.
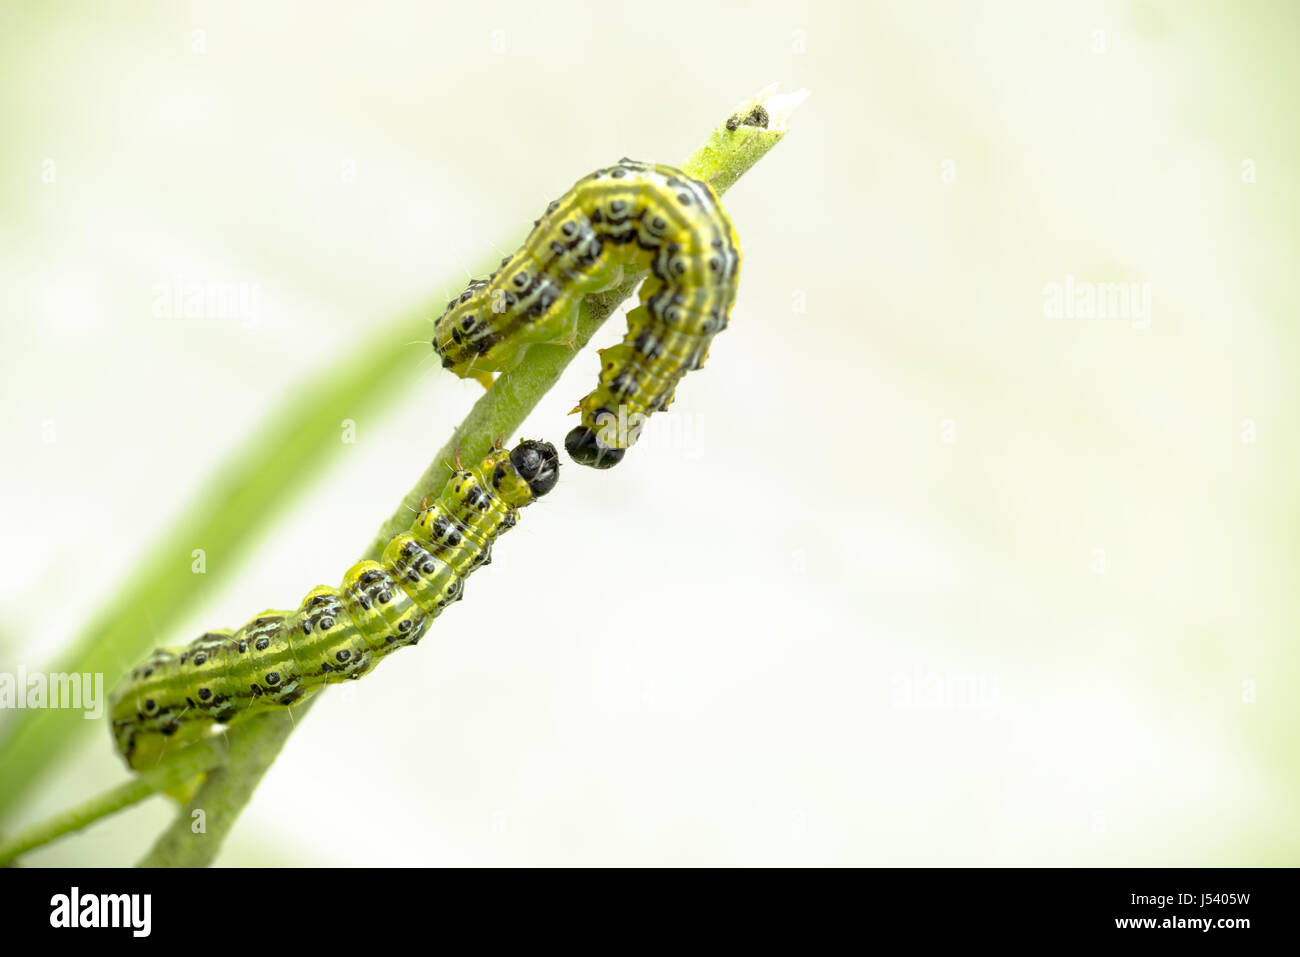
(337, 634)
(616, 221)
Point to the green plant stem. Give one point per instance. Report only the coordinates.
(183, 766)
(224, 793)
(224, 519)
(723, 158)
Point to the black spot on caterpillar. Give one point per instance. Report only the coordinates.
(617, 220)
(279, 657)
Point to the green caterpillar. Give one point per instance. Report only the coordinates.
(616, 221)
(279, 657)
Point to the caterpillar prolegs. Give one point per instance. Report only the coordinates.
(277, 658)
(618, 220)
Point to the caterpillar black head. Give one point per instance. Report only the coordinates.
(586, 448)
(538, 464)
